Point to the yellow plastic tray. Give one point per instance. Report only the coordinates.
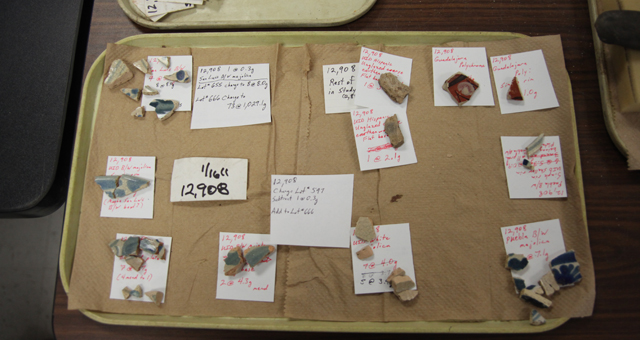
(255, 13)
(86, 120)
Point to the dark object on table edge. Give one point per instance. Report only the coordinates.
(619, 28)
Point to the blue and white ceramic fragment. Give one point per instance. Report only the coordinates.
(138, 112)
(566, 269)
(143, 66)
(533, 295)
(149, 91)
(132, 93)
(516, 262)
(166, 61)
(181, 76)
(536, 319)
(164, 108)
(121, 186)
(254, 255)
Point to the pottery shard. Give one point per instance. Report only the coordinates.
(533, 295)
(166, 61)
(164, 108)
(143, 66)
(396, 90)
(116, 247)
(234, 262)
(118, 74)
(131, 246)
(181, 76)
(126, 292)
(365, 253)
(135, 262)
(407, 295)
(460, 87)
(549, 284)
(137, 292)
(149, 91)
(150, 245)
(138, 112)
(566, 269)
(132, 93)
(365, 229)
(516, 262)
(396, 272)
(392, 129)
(514, 90)
(255, 255)
(121, 186)
(155, 296)
(536, 319)
(162, 252)
(402, 283)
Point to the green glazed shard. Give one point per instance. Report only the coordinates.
(126, 292)
(164, 108)
(180, 76)
(118, 74)
(254, 255)
(143, 66)
(121, 186)
(131, 246)
(117, 247)
(234, 262)
(132, 93)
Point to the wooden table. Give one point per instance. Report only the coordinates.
(613, 202)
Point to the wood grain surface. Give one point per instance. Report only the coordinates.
(612, 199)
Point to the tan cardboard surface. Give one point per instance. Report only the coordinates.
(455, 198)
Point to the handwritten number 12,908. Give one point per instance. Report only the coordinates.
(206, 189)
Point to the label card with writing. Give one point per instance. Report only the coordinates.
(539, 242)
(546, 180)
(168, 89)
(155, 7)
(231, 95)
(391, 249)
(312, 211)
(373, 144)
(140, 203)
(251, 284)
(340, 87)
(373, 64)
(472, 62)
(209, 179)
(533, 79)
(152, 276)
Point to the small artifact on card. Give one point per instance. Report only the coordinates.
(164, 108)
(516, 262)
(396, 90)
(135, 262)
(254, 255)
(519, 283)
(137, 293)
(566, 269)
(402, 283)
(143, 66)
(132, 93)
(407, 295)
(155, 296)
(234, 262)
(535, 145)
(527, 164)
(116, 247)
(514, 90)
(118, 74)
(150, 246)
(166, 61)
(396, 272)
(162, 252)
(181, 76)
(536, 319)
(392, 129)
(138, 112)
(460, 87)
(121, 186)
(126, 292)
(149, 91)
(131, 246)
(365, 229)
(549, 284)
(533, 295)
(365, 252)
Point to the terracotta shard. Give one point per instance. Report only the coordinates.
(143, 66)
(460, 87)
(365, 253)
(132, 93)
(131, 246)
(162, 252)
(149, 91)
(549, 284)
(138, 112)
(392, 129)
(535, 145)
(135, 262)
(536, 319)
(396, 90)
(402, 283)
(255, 255)
(533, 295)
(164, 108)
(514, 90)
(516, 262)
(234, 262)
(365, 229)
(155, 296)
(118, 74)
(181, 76)
(407, 295)
(396, 272)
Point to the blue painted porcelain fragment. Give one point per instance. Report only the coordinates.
(164, 108)
(254, 255)
(155, 296)
(149, 91)
(121, 186)
(118, 74)
(138, 112)
(135, 262)
(516, 262)
(132, 93)
(143, 66)
(137, 292)
(166, 61)
(181, 76)
(536, 319)
(566, 269)
(117, 247)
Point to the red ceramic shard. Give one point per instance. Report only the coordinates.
(514, 90)
(460, 87)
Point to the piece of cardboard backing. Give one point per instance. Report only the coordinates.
(455, 198)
